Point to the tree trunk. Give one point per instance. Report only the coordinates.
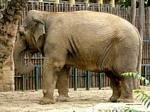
(9, 20)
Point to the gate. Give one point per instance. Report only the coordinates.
(79, 78)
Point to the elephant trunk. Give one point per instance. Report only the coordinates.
(19, 62)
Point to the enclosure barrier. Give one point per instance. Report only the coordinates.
(72, 2)
(80, 78)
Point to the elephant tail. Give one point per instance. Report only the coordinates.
(140, 53)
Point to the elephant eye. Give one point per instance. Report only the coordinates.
(22, 33)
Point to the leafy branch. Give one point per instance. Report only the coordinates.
(128, 109)
(143, 97)
(136, 76)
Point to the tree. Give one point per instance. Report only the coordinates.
(127, 3)
(10, 15)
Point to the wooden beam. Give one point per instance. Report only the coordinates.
(100, 2)
(141, 18)
(133, 11)
(72, 2)
(86, 2)
(40, 0)
(112, 3)
(57, 1)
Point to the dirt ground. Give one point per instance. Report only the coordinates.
(81, 101)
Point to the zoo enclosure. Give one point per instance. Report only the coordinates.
(81, 78)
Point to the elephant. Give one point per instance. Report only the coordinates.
(94, 41)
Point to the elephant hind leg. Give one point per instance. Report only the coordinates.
(122, 92)
(126, 61)
(126, 91)
(63, 84)
(115, 85)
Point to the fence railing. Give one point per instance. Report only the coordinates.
(66, 7)
(80, 78)
(84, 79)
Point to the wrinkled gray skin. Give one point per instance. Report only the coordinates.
(94, 41)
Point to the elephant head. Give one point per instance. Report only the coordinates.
(30, 40)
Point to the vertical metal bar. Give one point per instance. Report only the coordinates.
(101, 80)
(87, 80)
(39, 79)
(36, 77)
(23, 82)
(145, 74)
(75, 79)
(72, 77)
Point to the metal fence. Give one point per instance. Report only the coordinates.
(80, 78)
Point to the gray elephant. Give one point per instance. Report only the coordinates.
(93, 41)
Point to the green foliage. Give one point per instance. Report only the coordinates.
(128, 109)
(143, 97)
(127, 3)
(3, 4)
(136, 76)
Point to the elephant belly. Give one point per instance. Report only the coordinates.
(95, 61)
(85, 65)
(93, 55)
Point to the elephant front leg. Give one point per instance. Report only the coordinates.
(49, 84)
(63, 84)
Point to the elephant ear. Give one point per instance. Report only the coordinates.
(39, 29)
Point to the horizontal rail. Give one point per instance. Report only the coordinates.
(145, 65)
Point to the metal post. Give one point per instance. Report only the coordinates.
(101, 80)
(23, 82)
(75, 78)
(87, 80)
(145, 74)
(36, 77)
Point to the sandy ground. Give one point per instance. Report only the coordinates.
(81, 101)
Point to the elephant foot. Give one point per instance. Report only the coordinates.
(63, 99)
(45, 101)
(113, 99)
